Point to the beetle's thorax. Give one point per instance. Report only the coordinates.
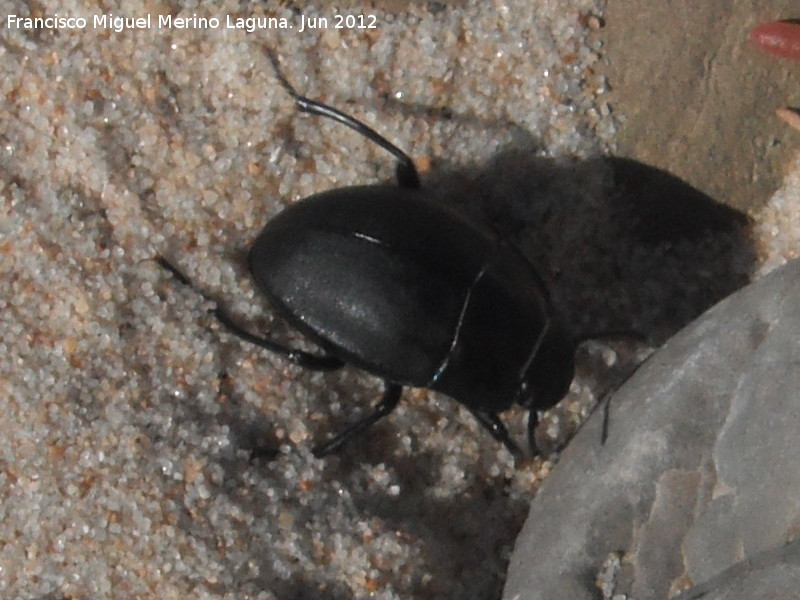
(502, 326)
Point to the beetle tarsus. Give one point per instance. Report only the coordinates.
(533, 421)
(390, 399)
(495, 426)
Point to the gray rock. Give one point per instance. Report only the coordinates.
(697, 486)
(771, 574)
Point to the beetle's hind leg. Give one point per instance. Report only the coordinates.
(495, 426)
(407, 175)
(390, 399)
(307, 360)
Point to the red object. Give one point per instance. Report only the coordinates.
(779, 38)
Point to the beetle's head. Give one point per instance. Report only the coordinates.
(547, 378)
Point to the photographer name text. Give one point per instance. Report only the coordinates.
(249, 24)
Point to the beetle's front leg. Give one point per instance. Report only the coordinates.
(317, 362)
(307, 360)
(499, 432)
(407, 176)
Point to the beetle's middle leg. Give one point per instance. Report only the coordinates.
(391, 396)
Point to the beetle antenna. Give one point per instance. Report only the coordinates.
(407, 175)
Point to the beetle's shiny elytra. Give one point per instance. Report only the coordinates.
(412, 291)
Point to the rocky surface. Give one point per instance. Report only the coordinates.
(698, 99)
(696, 487)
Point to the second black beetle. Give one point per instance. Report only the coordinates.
(388, 280)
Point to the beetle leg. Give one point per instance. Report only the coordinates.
(317, 362)
(391, 396)
(407, 176)
(307, 360)
(499, 432)
(533, 421)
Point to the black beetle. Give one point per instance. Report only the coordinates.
(410, 290)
